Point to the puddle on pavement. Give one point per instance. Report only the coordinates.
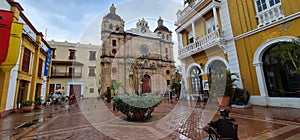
(33, 122)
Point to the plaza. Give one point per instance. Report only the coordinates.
(95, 119)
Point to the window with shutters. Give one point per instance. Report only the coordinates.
(26, 60)
(40, 68)
(72, 55)
(92, 55)
(92, 71)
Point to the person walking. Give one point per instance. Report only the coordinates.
(170, 94)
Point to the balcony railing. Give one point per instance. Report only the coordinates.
(66, 75)
(188, 10)
(270, 15)
(210, 40)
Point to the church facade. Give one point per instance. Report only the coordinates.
(138, 60)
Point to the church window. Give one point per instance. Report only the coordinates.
(117, 28)
(110, 26)
(163, 36)
(114, 42)
(166, 50)
(114, 51)
(167, 37)
(91, 90)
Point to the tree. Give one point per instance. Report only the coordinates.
(115, 86)
(289, 52)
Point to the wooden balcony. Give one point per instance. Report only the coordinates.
(66, 75)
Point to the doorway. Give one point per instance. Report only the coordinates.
(146, 87)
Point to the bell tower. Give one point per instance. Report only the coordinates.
(112, 30)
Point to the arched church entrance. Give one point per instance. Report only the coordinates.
(280, 77)
(146, 86)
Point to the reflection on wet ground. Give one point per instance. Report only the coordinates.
(93, 119)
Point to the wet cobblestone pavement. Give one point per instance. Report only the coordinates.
(92, 119)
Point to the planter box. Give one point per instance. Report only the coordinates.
(223, 101)
(27, 108)
(136, 108)
(37, 106)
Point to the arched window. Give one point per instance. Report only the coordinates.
(280, 79)
(216, 67)
(196, 80)
(117, 28)
(110, 26)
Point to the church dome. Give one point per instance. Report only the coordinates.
(161, 26)
(112, 14)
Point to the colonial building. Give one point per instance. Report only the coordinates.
(73, 69)
(240, 36)
(140, 59)
(24, 67)
(205, 43)
(260, 28)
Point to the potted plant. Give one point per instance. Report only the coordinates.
(115, 86)
(27, 106)
(38, 103)
(175, 86)
(136, 107)
(104, 95)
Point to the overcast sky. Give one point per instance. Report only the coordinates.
(80, 20)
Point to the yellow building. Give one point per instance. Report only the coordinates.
(259, 28)
(240, 35)
(74, 69)
(23, 73)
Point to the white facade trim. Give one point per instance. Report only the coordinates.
(81, 83)
(258, 64)
(286, 19)
(192, 65)
(12, 87)
(213, 59)
(197, 16)
(275, 101)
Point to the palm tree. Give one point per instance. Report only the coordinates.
(115, 86)
(289, 52)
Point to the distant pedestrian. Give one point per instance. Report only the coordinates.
(170, 94)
